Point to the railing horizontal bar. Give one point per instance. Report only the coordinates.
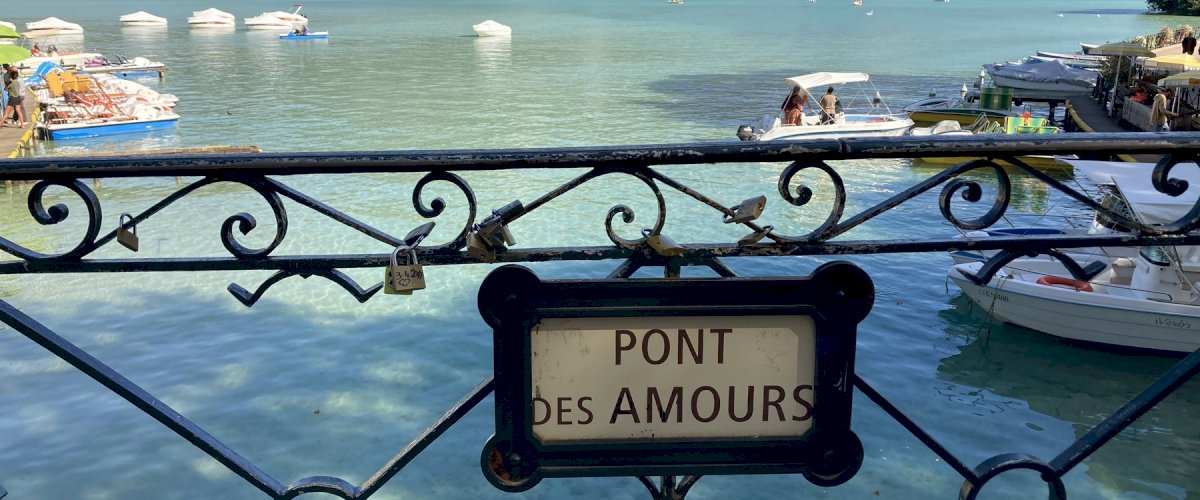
(293, 163)
(692, 252)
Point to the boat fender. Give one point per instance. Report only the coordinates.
(1079, 286)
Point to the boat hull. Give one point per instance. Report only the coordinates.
(1096, 318)
(882, 128)
(311, 36)
(82, 131)
(962, 116)
(1040, 162)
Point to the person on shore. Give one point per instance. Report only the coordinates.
(828, 106)
(793, 107)
(1160, 115)
(14, 100)
(1189, 44)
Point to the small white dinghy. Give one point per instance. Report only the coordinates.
(491, 28)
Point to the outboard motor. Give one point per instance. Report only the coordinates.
(746, 132)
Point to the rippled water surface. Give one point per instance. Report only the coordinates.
(310, 382)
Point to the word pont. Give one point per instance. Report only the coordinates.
(671, 380)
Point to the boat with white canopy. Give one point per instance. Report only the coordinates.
(142, 18)
(1150, 301)
(277, 19)
(801, 116)
(491, 28)
(53, 23)
(211, 18)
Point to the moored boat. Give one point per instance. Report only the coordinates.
(801, 117)
(1146, 301)
(491, 28)
(1053, 76)
(142, 18)
(211, 18)
(122, 67)
(78, 105)
(53, 23)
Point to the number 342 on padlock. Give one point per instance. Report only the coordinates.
(403, 278)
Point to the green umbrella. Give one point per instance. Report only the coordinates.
(11, 53)
(6, 32)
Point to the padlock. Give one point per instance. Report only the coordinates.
(662, 244)
(747, 211)
(756, 236)
(480, 249)
(402, 279)
(503, 236)
(127, 235)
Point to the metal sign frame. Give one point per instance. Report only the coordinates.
(512, 300)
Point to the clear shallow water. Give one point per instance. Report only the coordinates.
(310, 382)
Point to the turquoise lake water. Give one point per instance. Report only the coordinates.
(310, 382)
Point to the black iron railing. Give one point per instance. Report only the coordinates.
(482, 236)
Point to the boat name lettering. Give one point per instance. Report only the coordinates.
(1177, 323)
(995, 295)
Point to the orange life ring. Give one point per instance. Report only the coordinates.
(1080, 286)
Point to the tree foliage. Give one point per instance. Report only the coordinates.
(1179, 7)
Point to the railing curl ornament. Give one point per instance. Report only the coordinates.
(58, 213)
(972, 192)
(247, 222)
(804, 194)
(628, 217)
(1164, 183)
(438, 205)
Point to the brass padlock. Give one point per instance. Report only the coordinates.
(402, 279)
(662, 244)
(747, 211)
(756, 236)
(127, 235)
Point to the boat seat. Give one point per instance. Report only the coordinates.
(54, 82)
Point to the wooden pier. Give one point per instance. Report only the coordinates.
(14, 141)
(1087, 115)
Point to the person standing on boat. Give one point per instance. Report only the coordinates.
(1160, 115)
(793, 107)
(828, 106)
(14, 99)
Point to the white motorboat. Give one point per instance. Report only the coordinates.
(1148, 301)
(1054, 76)
(267, 22)
(125, 68)
(212, 18)
(491, 28)
(277, 19)
(142, 18)
(873, 119)
(63, 51)
(54, 23)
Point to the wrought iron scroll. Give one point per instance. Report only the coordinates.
(262, 174)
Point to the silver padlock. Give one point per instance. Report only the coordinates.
(127, 234)
(747, 211)
(402, 279)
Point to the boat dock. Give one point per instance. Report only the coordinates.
(1085, 114)
(14, 142)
